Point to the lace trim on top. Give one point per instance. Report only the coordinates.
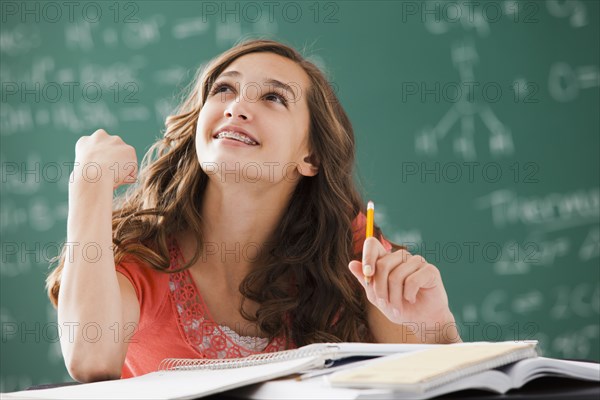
(253, 343)
(201, 332)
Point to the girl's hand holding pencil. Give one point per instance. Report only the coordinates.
(404, 287)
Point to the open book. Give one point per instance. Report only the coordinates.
(420, 371)
(187, 379)
(498, 380)
(427, 374)
(433, 372)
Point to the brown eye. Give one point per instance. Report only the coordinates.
(217, 88)
(278, 98)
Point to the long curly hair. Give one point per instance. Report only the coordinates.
(305, 290)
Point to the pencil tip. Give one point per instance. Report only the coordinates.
(370, 205)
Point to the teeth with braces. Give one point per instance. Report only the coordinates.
(237, 136)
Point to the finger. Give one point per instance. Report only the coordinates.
(426, 277)
(80, 142)
(100, 132)
(356, 269)
(372, 251)
(397, 281)
(384, 267)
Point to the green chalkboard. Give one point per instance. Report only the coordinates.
(476, 124)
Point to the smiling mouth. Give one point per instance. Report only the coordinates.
(240, 137)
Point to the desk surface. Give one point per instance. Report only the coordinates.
(541, 388)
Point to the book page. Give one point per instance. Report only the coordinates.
(526, 370)
(422, 366)
(172, 384)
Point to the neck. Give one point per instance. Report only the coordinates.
(238, 223)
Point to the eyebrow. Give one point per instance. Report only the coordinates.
(269, 81)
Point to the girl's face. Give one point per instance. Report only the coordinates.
(264, 95)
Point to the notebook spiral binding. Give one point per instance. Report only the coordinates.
(186, 364)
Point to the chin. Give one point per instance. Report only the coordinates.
(223, 165)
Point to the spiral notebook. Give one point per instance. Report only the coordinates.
(329, 352)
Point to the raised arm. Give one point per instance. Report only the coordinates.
(95, 302)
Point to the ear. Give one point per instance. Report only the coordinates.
(309, 166)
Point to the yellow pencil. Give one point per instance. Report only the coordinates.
(370, 221)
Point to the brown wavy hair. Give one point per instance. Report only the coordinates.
(305, 290)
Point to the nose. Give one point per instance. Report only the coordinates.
(235, 109)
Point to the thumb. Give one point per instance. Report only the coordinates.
(356, 269)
